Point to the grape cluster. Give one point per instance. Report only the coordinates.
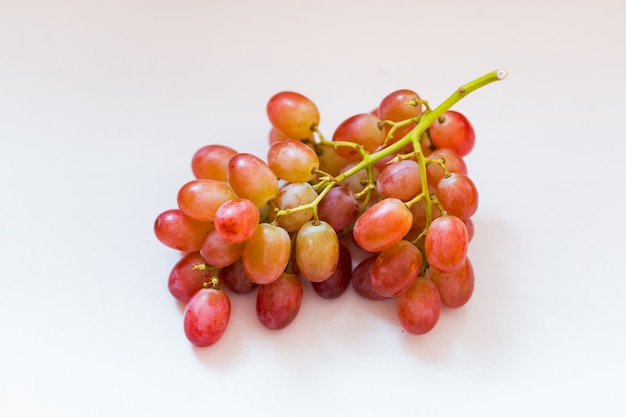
(384, 206)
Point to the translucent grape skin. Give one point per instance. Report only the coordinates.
(382, 225)
(335, 285)
(317, 250)
(362, 279)
(266, 254)
(396, 268)
(292, 160)
(363, 129)
(398, 106)
(292, 195)
(293, 114)
(338, 208)
(251, 178)
(278, 303)
(185, 280)
(235, 279)
(206, 317)
(177, 231)
(457, 287)
(453, 162)
(200, 198)
(453, 131)
(219, 252)
(236, 219)
(458, 195)
(401, 180)
(211, 162)
(419, 307)
(446, 243)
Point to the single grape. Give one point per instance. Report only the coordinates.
(330, 161)
(419, 307)
(418, 210)
(236, 220)
(398, 106)
(339, 280)
(278, 303)
(453, 131)
(206, 317)
(396, 268)
(458, 195)
(186, 279)
(446, 243)
(266, 254)
(235, 278)
(401, 180)
(456, 287)
(358, 181)
(275, 135)
(338, 208)
(453, 162)
(317, 250)
(362, 129)
(293, 114)
(362, 279)
(251, 178)
(177, 231)
(219, 252)
(211, 162)
(292, 195)
(292, 160)
(200, 198)
(382, 225)
(469, 225)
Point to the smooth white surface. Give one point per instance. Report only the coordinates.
(102, 104)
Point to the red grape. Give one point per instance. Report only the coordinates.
(266, 254)
(401, 180)
(292, 160)
(236, 220)
(293, 114)
(317, 250)
(453, 131)
(185, 280)
(456, 287)
(177, 231)
(446, 243)
(206, 317)
(338, 207)
(200, 198)
(211, 162)
(339, 280)
(278, 303)
(382, 225)
(234, 277)
(362, 129)
(419, 307)
(251, 178)
(458, 195)
(453, 162)
(362, 279)
(396, 268)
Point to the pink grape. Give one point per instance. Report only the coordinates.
(219, 252)
(206, 317)
(382, 225)
(419, 307)
(362, 129)
(398, 106)
(335, 285)
(453, 162)
(453, 131)
(338, 208)
(185, 280)
(211, 162)
(236, 220)
(317, 250)
(396, 268)
(400, 180)
(458, 195)
(292, 160)
(292, 195)
(446, 243)
(251, 178)
(177, 231)
(200, 198)
(293, 114)
(456, 287)
(278, 303)
(266, 254)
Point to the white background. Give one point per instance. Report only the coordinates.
(103, 103)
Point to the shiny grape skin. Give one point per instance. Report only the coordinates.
(200, 198)
(185, 280)
(335, 285)
(453, 131)
(317, 250)
(177, 231)
(363, 129)
(293, 114)
(457, 287)
(206, 317)
(236, 219)
(278, 303)
(446, 243)
(419, 307)
(382, 225)
(250, 177)
(266, 254)
(292, 160)
(458, 195)
(211, 162)
(396, 268)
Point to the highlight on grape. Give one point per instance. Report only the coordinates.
(384, 206)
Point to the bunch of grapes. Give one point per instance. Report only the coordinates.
(384, 206)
